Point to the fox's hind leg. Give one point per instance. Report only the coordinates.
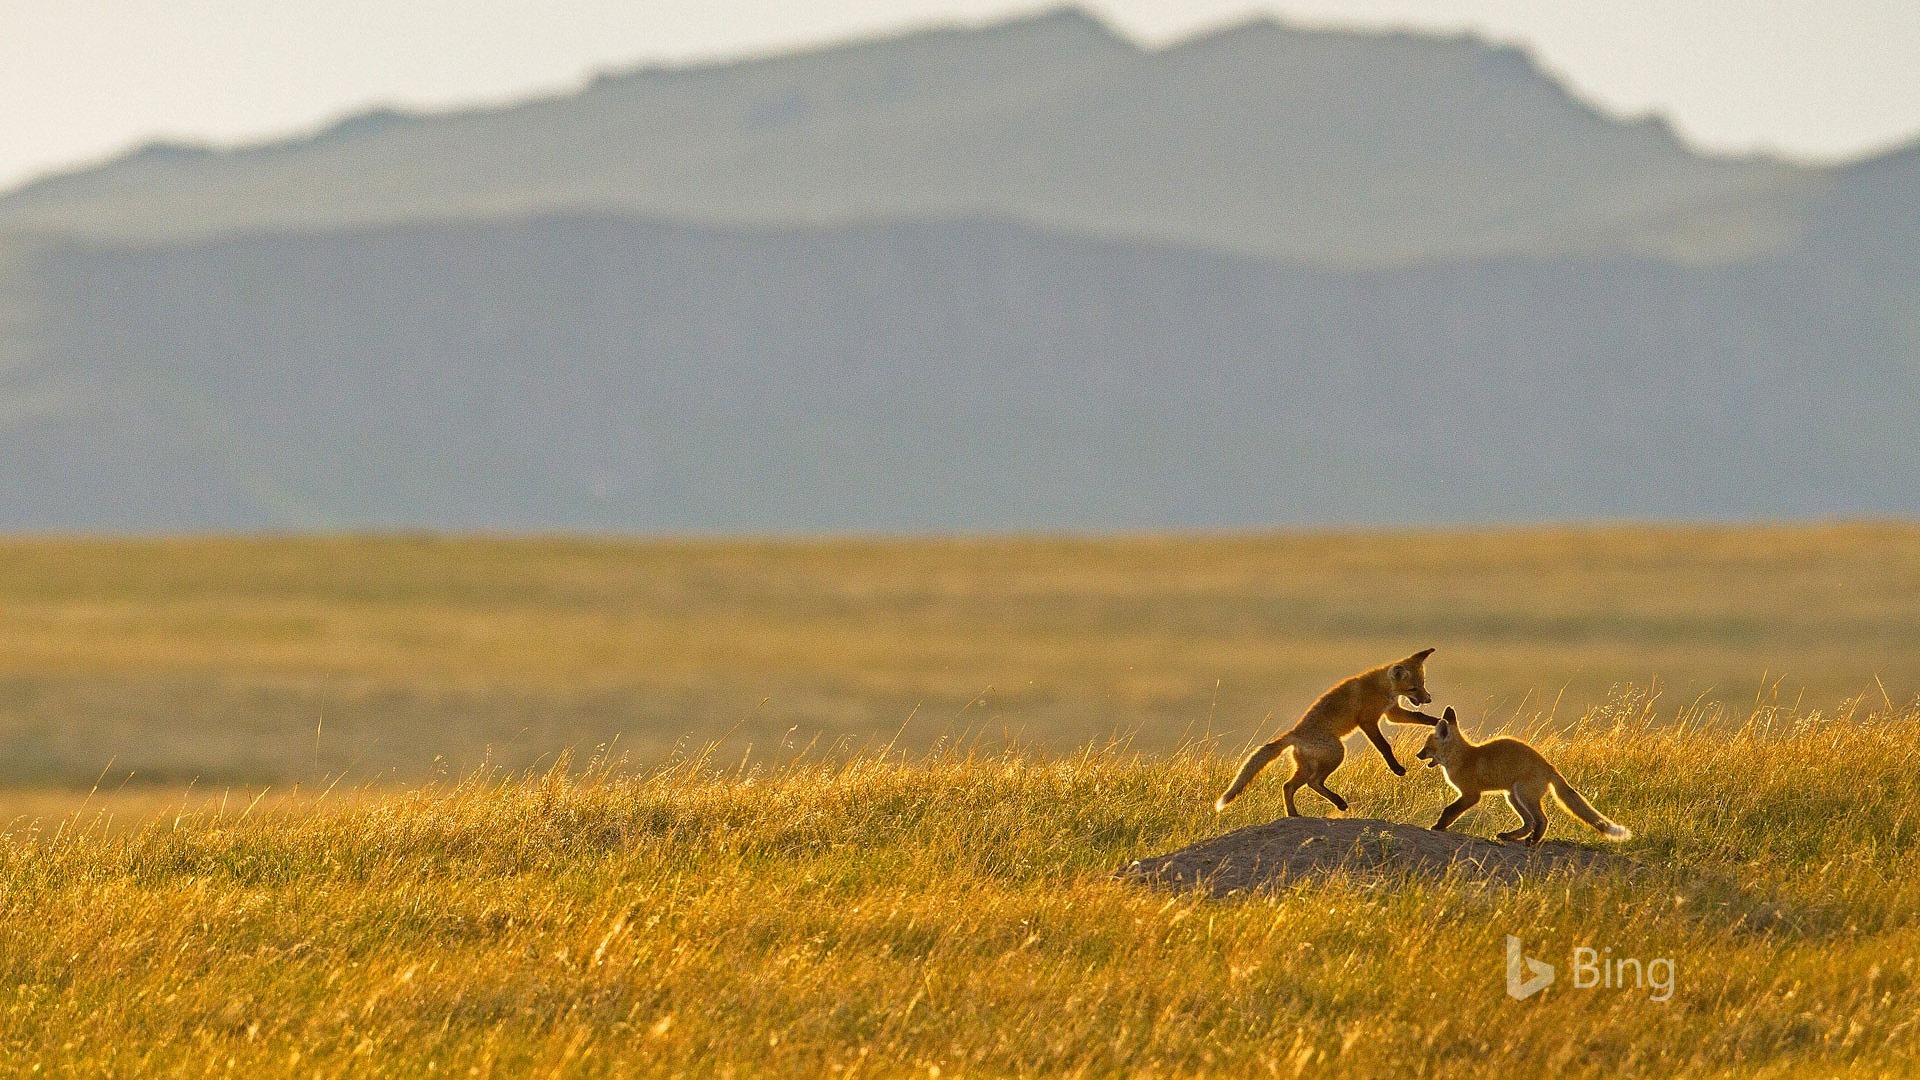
(1316, 760)
(1518, 806)
(1526, 799)
(1292, 785)
(1332, 796)
(1313, 762)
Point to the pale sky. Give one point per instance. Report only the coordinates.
(80, 79)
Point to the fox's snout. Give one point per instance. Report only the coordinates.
(1419, 697)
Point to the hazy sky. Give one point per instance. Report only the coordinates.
(1816, 80)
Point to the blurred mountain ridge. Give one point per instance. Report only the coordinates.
(1027, 275)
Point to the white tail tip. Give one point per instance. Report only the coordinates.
(1616, 832)
(1219, 804)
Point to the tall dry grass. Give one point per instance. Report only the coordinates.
(955, 915)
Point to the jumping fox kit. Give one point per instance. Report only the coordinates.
(1510, 766)
(1358, 702)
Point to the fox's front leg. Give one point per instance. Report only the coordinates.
(1400, 714)
(1454, 809)
(1386, 749)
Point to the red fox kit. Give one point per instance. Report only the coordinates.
(1507, 765)
(1359, 702)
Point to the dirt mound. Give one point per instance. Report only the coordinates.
(1265, 856)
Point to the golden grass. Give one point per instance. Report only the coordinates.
(263, 661)
(948, 906)
(956, 916)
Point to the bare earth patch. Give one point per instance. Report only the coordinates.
(1267, 856)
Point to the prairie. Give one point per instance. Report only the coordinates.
(515, 807)
(268, 661)
(958, 916)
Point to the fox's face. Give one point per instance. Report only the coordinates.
(1439, 745)
(1410, 678)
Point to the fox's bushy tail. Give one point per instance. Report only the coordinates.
(1579, 807)
(1255, 762)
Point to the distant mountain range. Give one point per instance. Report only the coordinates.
(1025, 276)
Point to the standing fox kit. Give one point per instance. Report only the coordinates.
(1359, 703)
(1510, 766)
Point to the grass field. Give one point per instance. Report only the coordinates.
(291, 866)
(958, 917)
(250, 662)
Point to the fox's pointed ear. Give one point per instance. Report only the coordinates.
(1448, 714)
(1421, 655)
